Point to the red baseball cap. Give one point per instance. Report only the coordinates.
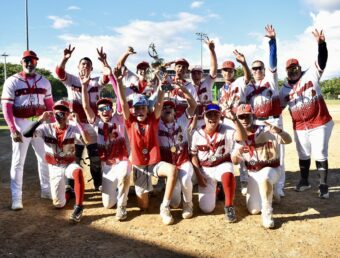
(143, 65)
(228, 65)
(244, 109)
(169, 102)
(61, 104)
(30, 53)
(104, 101)
(292, 62)
(182, 61)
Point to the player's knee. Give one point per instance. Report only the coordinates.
(206, 207)
(57, 203)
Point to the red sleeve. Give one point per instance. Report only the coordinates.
(60, 73)
(8, 115)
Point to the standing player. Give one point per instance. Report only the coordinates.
(173, 141)
(261, 154)
(25, 96)
(263, 95)
(113, 152)
(312, 122)
(204, 88)
(210, 148)
(142, 130)
(59, 138)
(74, 89)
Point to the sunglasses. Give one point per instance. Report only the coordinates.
(105, 108)
(293, 69)
(257, 68)
(244, 116)
(31, 60)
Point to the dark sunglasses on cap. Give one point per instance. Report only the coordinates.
(30, 60)
(105, 108)
(257, 68)
(293, 69)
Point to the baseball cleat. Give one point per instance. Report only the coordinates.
(187, 212)
(17, 205)
(166, 216)
(230, 214)
(121, 213)
(323, 191)
(77, 214)
(267, 219)
(303, 185)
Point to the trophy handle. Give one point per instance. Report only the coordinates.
(152, 51)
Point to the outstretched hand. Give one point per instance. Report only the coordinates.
(239, 57)
(210, 44)
(102, 56)
(270, 32)
(118, 73)
(68, 52)
(46, 116)
(273, 128)
(319, 36)
(131, 51)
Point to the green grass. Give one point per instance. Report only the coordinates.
(333, 101)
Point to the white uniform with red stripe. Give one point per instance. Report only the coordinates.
(114, 155)
(262, 161)
(135, 86)
(60, 157)
(214, 157)
(27, 96)
(230, 96)
(174, 149)
(204, 94)
(312, 122)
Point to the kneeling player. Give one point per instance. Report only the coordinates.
(210, 148)
(261, 154)
(59, 138)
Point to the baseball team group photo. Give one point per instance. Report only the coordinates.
(144, 149)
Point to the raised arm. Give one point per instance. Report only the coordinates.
(322, 48)
(122, 59)
(108, 72)
(213, 58)
(102, 58)
(190, 99)
(85, 79)
(60, 70)
(29, 131)
(121, 94)
(242, 60)
(271, 34)
(240, 134)
(159, 102)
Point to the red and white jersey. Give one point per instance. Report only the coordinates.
(58, 152)
(263, 149)
(74, 88)
(305, 102)
(263, 96)
(213, 150)
(173, 140)
(204, 93)
(178, 96)
(111, 139)
(231, 95)
(27, 94)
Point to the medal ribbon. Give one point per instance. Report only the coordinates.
(212, 147)
(31, 89)
(145, 138)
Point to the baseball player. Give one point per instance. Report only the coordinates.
(173, 140)
(263, 95)
(59, 138)
(231, 94)
(210, 149)
(74, 88)
(261, 154)
(204, 87)
(312, 122)
(142, 130)
(25, 96)
(113, 151)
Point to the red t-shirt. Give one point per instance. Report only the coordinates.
(143, 138)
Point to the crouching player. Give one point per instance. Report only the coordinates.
(210, 149)
(261, 154)
(173, 139)
(113, 152)
(142, 130)
(59, 138)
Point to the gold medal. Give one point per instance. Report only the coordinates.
(173, 149)
(213, 158)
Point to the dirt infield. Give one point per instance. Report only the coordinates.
(305, 225)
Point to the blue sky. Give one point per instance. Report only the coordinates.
(171, 25)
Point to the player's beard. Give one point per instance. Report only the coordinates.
(29, 70)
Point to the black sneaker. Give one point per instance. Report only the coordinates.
(323, 191)
(219, 192)
(77, 213)
(230, 214)
(303, 185)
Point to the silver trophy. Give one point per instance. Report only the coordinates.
(158, 68)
